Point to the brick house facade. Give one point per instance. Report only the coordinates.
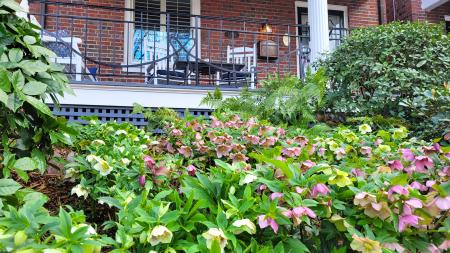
(411, 10)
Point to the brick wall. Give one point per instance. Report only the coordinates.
(103, 32)
(411, 10)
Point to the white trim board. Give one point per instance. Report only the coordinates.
(428, 5)
(447, 17)
(104, 95)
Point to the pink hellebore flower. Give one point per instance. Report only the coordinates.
(378, 142)
(445, 171)
(198, 136)
(357, 172)
(407, 154)
(215, 123)
(191, 170)
(302, 140)
(269, 141)
(176, 132)
(442, 203)
(407, 220)
(321, 151)
(306, 165)
(397, 189)
(415, 203)
(340, 153)
(142, 180)
(319, 189)
(275, 195)
(149, 162)
(185, 151)
(253, 139)
(299, 190)
(367, 151)
(292, 152)
(447, 155)
(435, 148)
(395, 164)
(433, 249)
(445, 245)
(418, 186)
(422, 162)
(300, 211)
(312, 149)
(170, 148)
(239, 157)
(430, 183)
(281, 132)
(265, 221)
(223, 150)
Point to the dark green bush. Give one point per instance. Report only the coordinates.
(395, 70)
(27, 79)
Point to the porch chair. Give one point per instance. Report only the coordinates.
(240, 55)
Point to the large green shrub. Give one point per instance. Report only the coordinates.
(396, 70)
(27, 79)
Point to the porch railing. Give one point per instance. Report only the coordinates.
(120, 46)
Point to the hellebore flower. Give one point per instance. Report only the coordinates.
(384, 148)
(249, 178)
(365, 245)
(397, 189)
(103, 167)
(380, 210)
(253, 139)
(269, 141)
(159, 234)
(395, 165)
(191, 170)
(238, 157)
(357, 172)
(365, 128)
(394, 246)
(442, 203)
(301, 140)
(292, 152)
(340, 153)
(276, 195)
(407, 154)
(141, 180)
(428, 150)
(306, 165)
(400, 133)
(364, 198)
(149, 162)
(321, 152)
(414, 203)
(367, 151)
(319, 189)
(300, 211)
(406, 220)
(185, 151)
(223, 150)
(265, 221)
(340, 178)
(245, 225)
(333, 145)
(215, 234)
(418, 186)
(423, 161)
(125, 161)
(176, 132)
(215, 123)
(80, 191)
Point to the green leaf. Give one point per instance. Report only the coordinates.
(39, 51)
(8, 186)
(15, 55)
(296, 246)
(5, 84)
(39, 105)
(32, 67)
(215, 247)
(25, 164)
(3, 97)
(65, 223)
(401, 179)
(13, 102)
(17, 80)
(29, 39)
(34, 88)
(39, 158)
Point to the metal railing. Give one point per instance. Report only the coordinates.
(125, 46)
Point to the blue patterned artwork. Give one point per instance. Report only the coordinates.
(149, 45)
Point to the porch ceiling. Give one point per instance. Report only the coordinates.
(431, 4)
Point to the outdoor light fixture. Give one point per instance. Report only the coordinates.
(266, 28)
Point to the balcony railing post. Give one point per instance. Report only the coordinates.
(168, 47)
(197, 75)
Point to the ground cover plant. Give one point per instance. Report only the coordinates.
(246, 186)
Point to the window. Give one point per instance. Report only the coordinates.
(150, 14)
(336, 22)
(447, 23)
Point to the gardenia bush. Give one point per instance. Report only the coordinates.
(396, 70)
(229, 185)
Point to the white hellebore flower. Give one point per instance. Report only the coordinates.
(365, 128)
(90, 231)
(119, 132)
(98, 142)
(125, 161)
(121, 149)
(215, 234)
(54, 251)
(248, 179)
(245, 225)
(92, 158)
(79, 190)
(103, 167)
(70, 173)
(159, 234)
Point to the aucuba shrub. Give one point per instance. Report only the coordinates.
(229, 185)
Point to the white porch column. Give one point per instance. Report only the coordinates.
(318, 25)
